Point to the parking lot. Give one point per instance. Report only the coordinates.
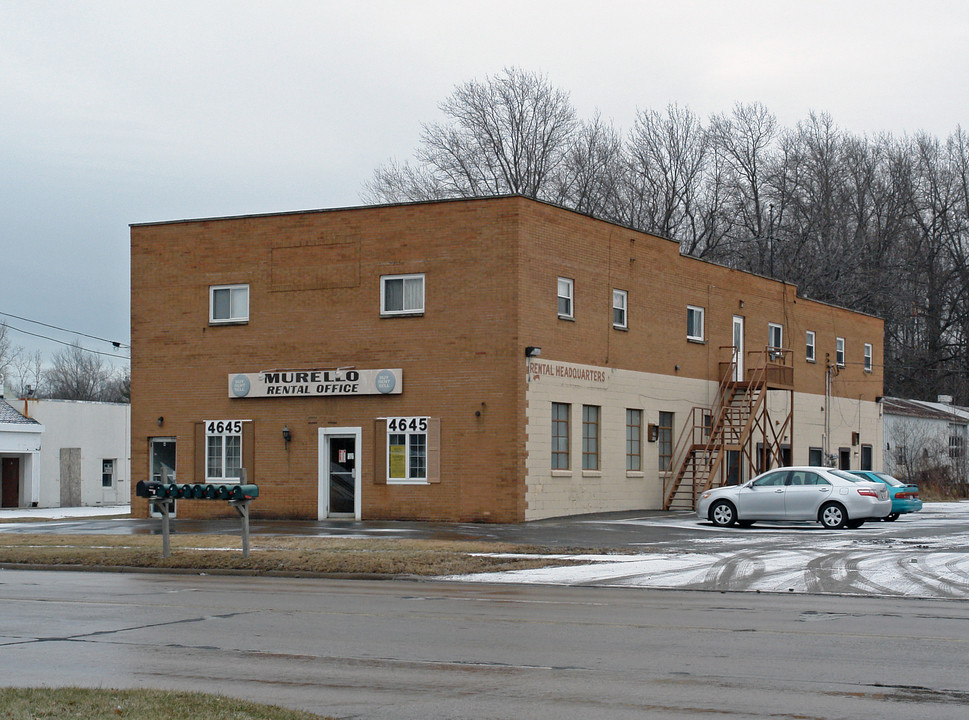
(923, 555)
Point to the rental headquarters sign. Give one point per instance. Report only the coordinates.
(315, 383)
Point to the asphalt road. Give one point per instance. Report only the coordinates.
(403, 649)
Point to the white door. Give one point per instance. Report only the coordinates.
(738, 348)
(109, 481)
(339, 473)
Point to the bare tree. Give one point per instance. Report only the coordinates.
(507, 134)
(27, 371)
(6, 353)
(668, 156)
(592, 173)
(744, 141)
(874, 224)
(119, 386)
(76, 374)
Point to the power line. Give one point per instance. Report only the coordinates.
(62, 342)
(115, 343)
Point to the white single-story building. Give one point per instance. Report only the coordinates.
(85, 456)
(923, 437)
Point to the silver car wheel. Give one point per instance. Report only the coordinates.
(723, 514)
(833, 516)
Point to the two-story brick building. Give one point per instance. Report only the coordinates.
(494, 359)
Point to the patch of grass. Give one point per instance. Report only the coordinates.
(81, 704)
(273, 554)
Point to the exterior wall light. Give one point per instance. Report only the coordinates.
(287, 434)
(532, 351)
(161, 421)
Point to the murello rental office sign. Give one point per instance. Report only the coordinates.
(315, 383)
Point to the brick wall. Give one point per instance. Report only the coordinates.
(490, 270)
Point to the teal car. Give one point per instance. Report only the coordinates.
(905, 497)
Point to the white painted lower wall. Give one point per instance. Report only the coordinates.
(612, 488)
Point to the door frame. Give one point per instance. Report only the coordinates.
(323, 458)
(152, 509)
(738, 370)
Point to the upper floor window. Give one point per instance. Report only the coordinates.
(867, 357)
(228, 304)
(566, 293)
(840, 354)
(694, 323)
(775, 340)
(809, 346)
(402, 294)
(619, 308)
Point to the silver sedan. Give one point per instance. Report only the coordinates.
(830, 497)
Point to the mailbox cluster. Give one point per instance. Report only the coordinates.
(195, 491)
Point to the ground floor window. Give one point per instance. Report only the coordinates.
(560, 435)
(407, 449)
(223, 450)
(634, 439)
(816, 457)
(107, 472)
(664, 437)
(590, 437)
(844, 458)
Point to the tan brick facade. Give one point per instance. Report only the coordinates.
(490, 269)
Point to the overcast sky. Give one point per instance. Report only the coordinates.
(124, 112)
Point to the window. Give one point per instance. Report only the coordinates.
(664, 437)
(809, 346)
(840, 355)
(805, 478)
(776, 479)
(107, 473)
(900, 455)
(590, 437)
(560, 435)
(407, 449)
(815, 457)
(619, 308)
(228, 304)
(402, 294)
(867, 357)
(957, 442)
(694, 323)
(566, 288)
(775, 340)
(634, 439)
(223, 450)
(844, 458)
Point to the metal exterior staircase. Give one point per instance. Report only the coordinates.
(736, 436)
